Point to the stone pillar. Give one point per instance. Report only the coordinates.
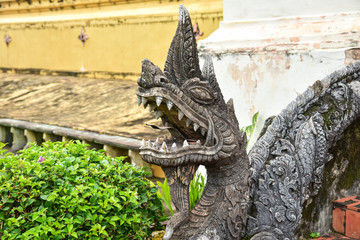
(51, 137)
(32, 137)
(65, 139)
(93, 145)
(5, 135)
(19, 139)
(136, 158)
(112, 151)
(266, 53)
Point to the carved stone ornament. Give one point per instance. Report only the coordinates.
(197, 32)
(283, 168)
(83, 37)
(7, 39)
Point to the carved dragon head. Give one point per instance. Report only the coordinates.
(203, 127)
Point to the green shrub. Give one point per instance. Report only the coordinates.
(65, 191)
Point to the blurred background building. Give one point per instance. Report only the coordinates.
(44, 35)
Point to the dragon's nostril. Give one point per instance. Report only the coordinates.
(143, 82)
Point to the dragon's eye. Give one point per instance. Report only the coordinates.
(201, 94)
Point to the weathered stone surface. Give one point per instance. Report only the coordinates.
(286, 163)
(342, 179)
(289, 159)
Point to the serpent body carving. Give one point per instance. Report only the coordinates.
(283, 168)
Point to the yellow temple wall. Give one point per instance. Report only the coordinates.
(44, 34)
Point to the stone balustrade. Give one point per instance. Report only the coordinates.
(19, 134)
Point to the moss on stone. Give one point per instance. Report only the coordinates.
(337, 177)
(348, 149)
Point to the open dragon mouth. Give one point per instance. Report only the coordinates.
(191, 132)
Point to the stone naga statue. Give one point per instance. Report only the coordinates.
(260, 194)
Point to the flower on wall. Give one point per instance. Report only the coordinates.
(7, 39)
(83, 37)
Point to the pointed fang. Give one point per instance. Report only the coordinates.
(196, 127)
(142, 144)
(185, 143)
(158, 100)
(156, 144)
(198, 142)
(144, 100)
(163, 147)
(173, 146)
(138, 100)
(169, 104)
(188, 122)
(203, 131)
(158, 114)
(151, 107)
(180, 115)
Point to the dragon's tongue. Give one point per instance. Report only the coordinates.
(173, 131)
(157, 127)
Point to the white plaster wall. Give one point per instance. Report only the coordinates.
(265, 52)
(267, 82)
(250, 9)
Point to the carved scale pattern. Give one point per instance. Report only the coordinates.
(289, 158)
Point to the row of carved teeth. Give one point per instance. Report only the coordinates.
(170, 105)
(164, 147)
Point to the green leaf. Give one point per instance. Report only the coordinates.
(69, 228)
(114, 218)
(44, 197)
(74, 234)
(51, 197)
(81, 219)
(250, 129)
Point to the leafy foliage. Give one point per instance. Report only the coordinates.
(165, 194)
(197, 186)
(65, 191)
(315, 235)
(196, 189)
(249, 130)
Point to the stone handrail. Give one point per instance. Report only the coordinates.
(19, 134)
